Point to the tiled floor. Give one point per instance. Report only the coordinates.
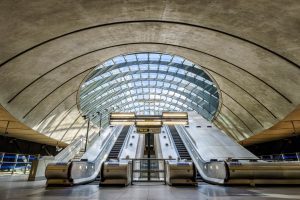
(18, 188)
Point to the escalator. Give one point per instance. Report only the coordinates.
(240, 167)
(88, 168)
(183, 170)
(115, 151)
(115, 171)
(181, 149)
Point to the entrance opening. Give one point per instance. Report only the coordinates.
(148, 84)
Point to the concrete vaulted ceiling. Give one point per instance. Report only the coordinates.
(250, 48)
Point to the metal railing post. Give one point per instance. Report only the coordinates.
(27, 161)
(1, 161)
(298, 156)
(87, 135)
(165, 172)
(282, 156)
(132, 167)
(15, 163)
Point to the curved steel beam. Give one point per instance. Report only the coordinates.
(57, 106)
(238, 118)
(113, 102)
(119, 92)
(244, 109)
(88, 94)
(54, 91)
(89, 99)
(194, 70)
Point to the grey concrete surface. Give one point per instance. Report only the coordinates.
(18, 188)
(250, 48)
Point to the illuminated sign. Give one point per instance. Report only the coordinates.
(147, 130)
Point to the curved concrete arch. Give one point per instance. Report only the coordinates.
(248, 52)
(97, 12)
(65, 62)
(57, 105)
(258, 70)
(258, 101)
(146, 21)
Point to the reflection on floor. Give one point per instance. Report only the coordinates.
(16, 187)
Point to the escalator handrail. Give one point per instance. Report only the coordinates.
(106, 142)
(131, 129)
(198, 160)
(70, 148)
(97, 162)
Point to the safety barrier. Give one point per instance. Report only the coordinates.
(281, 157)
(12, 163)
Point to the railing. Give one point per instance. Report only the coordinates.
(170, 138)
(70, 151)
(281, 157)
(204, 167)
(85, 171)
(148, 170)
(12, 163)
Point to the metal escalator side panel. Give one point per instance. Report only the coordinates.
(87, 171)
(182, 172)
(57, 170)
(70, 151)
(213, 172)
(114, 171)
(58, 174)
(80, 171)
(264, 170)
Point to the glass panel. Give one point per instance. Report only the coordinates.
(130, 58)
(119, 60)
(111, 86)
(166, 58)
(142, 57)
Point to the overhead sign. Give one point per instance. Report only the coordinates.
(149, 121)
(145, 130)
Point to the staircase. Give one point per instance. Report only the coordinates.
(114, 153)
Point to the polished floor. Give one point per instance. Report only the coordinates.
(17, 187)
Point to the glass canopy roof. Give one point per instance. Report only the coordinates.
(148, 84)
